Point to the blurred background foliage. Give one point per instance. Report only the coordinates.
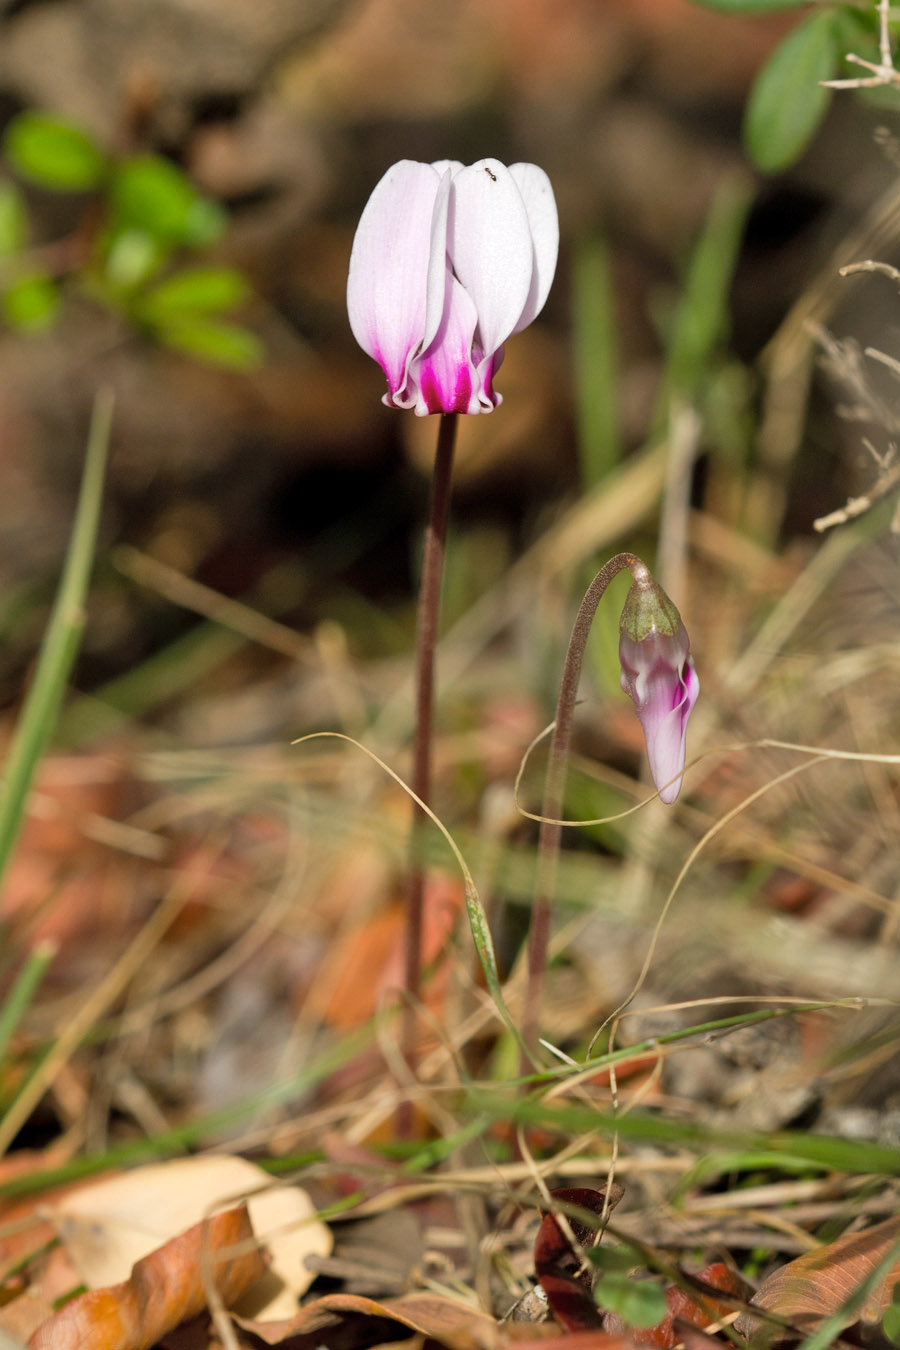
(180, 186)
(186, 180)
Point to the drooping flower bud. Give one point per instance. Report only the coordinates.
(658, 673)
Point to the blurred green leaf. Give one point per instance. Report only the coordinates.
(857, 31)
(596, 373)
(206, 222)
(37, 719)
(640, 1303)
(151, 194)
(30, 302)
(787, 101)
(16, 1000)
(784, 1150)
(890, 1323)
(54, 153)
(133, 257)
(13, 219)
(611, 1258)
(701, 319)
(196, 290)
(213, 341)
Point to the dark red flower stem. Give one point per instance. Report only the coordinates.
(554, 791)
(426, 642)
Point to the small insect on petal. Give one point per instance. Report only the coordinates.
(490, 248)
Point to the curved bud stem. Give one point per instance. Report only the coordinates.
(554, 788)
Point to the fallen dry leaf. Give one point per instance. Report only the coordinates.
(559, 1268)
(165, 1289)
(441, 1319)
(35, 1272)
(818, 1283)
(109, 1226)
(548, 1337)
(20, 1318)
(49, 1280)
(366, 961)
(60, 885)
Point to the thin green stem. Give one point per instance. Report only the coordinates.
(554, 789)
(23, 990)
(61, 640)
(426, 643)
(596, 373)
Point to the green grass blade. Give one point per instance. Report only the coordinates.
(61, 640)
(594, 340)
(701, 319)
(23, 991)
(824, 1152)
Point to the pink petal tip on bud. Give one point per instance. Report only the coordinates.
(447, 263)
(659, 675)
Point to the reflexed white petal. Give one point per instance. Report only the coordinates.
(442, 165)
(490, 247)
(487, 369)
(387, 284)
(666, 753)
(540, 204)
(444, 375)
(436, 285)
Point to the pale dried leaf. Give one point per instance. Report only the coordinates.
(20, 1318)
(8, 1341)
(107, 1227)
(164, 1289)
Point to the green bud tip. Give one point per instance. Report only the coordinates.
(648, 610)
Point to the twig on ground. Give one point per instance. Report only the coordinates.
(887, 480)
(883, 70)
(844, 360)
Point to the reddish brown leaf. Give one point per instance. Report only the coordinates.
(58, 885)
(698, 1310)
(164, 1289)
(818, 1283)
(702, 1308)
(558, 1266)
(367, 959)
